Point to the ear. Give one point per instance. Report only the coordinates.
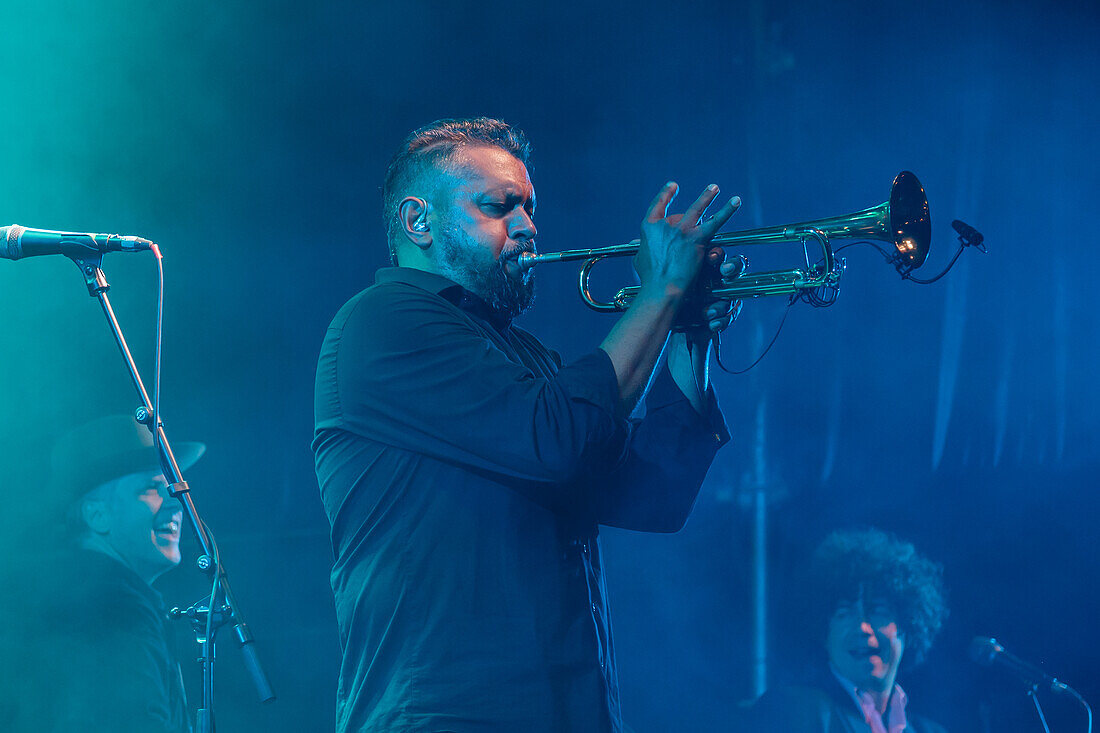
(413, 212)
(96, 514)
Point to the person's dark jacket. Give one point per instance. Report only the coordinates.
(823, 707)
(86, 647)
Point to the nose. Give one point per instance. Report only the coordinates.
(522, 226)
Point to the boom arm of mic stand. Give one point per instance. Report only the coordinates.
(98, 286)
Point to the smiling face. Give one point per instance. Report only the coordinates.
(865, 645)
(135, 519)
(482, 209)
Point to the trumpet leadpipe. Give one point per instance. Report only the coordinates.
(528, 260)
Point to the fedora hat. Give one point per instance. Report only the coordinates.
(105, 449)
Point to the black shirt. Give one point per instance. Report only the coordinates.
(87, 648)
(464, 471)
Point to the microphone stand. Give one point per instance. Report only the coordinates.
(203, 619)
(1038, 708)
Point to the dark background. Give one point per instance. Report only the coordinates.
(249, 140)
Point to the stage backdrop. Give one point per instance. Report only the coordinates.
(250, 139)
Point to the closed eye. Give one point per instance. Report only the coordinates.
(500, 208)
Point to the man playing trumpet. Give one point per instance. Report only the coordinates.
(465, 469)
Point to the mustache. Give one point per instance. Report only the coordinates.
(515, 252)
(166, 515)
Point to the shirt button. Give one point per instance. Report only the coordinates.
(594, 611)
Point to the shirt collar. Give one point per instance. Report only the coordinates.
(445, 288)
(430, 281)
(897, 695)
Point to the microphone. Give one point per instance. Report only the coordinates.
(17, 242)
(970, 236)
(987, 651)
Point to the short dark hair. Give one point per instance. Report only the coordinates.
(872, 564)
(430, 146)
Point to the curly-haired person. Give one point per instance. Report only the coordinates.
(875, 601)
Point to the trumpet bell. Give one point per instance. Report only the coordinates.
(910, 221)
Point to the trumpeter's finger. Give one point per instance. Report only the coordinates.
(718, 308)
(658, 208)
(716, 222)
(734, 267)
(696, 210)
(720, 324)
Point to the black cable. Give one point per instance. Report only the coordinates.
(909, 275)
(826, 295)
(694, 373)
(886, 255)
(718, 344)
(1088, 709)
(155, 424)
(217, 578)
(820, 297)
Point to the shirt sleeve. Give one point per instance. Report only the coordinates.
(654, 485)
(408, 369)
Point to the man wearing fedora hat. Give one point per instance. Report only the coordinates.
(90, 629)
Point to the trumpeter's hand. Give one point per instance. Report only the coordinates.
(673, 246)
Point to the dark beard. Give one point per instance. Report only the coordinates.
(486, 278)
(505, 295)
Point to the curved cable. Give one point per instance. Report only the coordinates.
(826, 295)
(695, 373)
(885, 255)
(217, 579)
(718, 343)
(155, 424)
(909, 275)
(1088, 709)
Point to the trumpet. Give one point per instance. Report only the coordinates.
(903, 220)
